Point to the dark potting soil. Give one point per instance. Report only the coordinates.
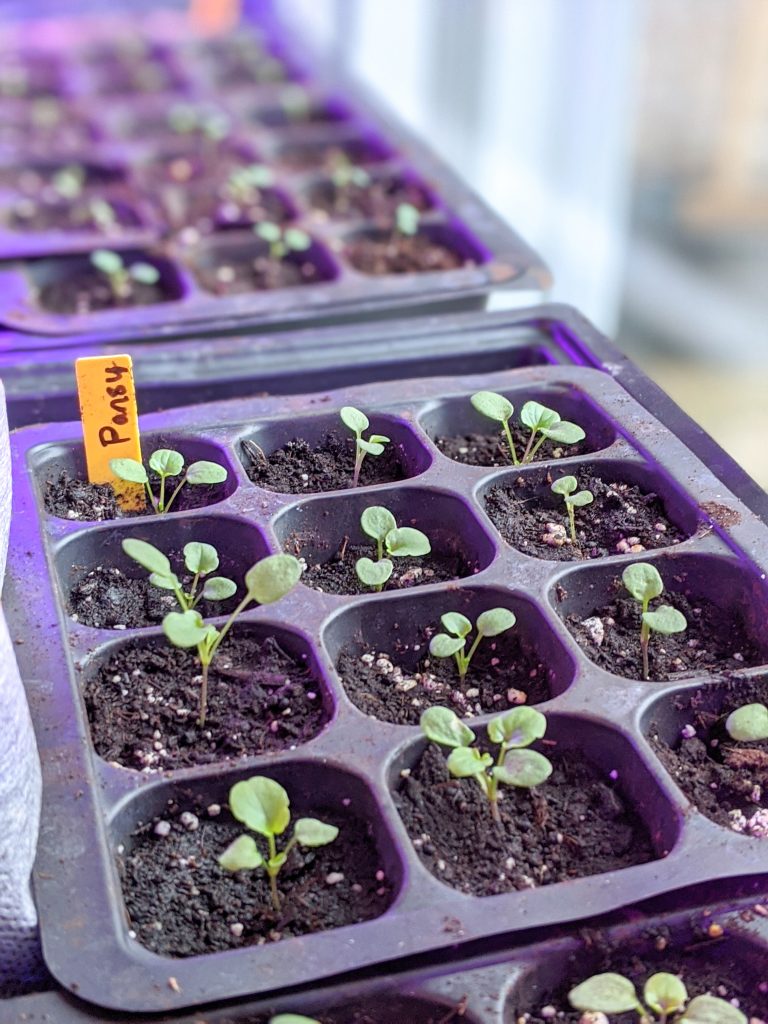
(622, 518)
(306, 156)
(70, 498)
(33, 178)
(234, 274)
(84, 290)
(378, 200)
(716, 773)
(492, 450)
(298, 468)
(29, 215)
(181, 903)
(399, 684)
(397, 254)
(575, 824)
(214, 209)
(709, 969)
(385, 1009)
(199, 164)
(337, 575)
(143, 704)
(712, 641)
(286, 117)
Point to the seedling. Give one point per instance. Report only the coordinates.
(282, 241)
(120, 277)
(292, 1018)
(378, 523)
(490, 623)
(263, 806)
(102, 214)
(643, 582)
(200, 560)
(665, 1000)
(295, 103)
(566, 486)
(407, 219)
(186, 119)
(513, 765)
(244, 183)
(68, 182)
(748, 724)
(538, 418)
(345, 173)
(265, 582)
(165, 462)
(357, 422)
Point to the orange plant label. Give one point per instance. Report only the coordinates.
(110, 421)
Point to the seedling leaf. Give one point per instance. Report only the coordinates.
(106, 261)
(443, 646)
(443, 726)
(581, 499)
(495, 621)
(711, 1010)
(518, 727)
(268, 231)
(261, 804)
(147, 556)
(464, 762)
(748, 723)
(185, 629)
(565, 485)
(292, 1018)
(241, 854)
(407, 219)
(538, 417)
(312, 832)
(206, 473)
(166, 462)
(272, 578)
(130, 470)
(524, 769)
(144, 273)
(200, 558)
(354, 419)
(642, 581)
(564, 432)
(219, 588)
(377, 521)
(456, 623)
(406, 541)
(665, 993)
(370, 447)
(665, 620)
(297, 240)
(495, 407)
(608, 993)
(373, 574)
(170, 582)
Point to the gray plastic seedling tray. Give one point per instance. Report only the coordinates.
(91, 807)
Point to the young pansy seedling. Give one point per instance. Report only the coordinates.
(380, 525)
(513, 765)
(265, 582)
(292, 1018)
(244, 183)
(565, 487)
(346, 174)
(454, 641)
(68, 182)
(748, 724)
(282, 241)
(200, 560)
(407, 219)
(499, 409)
(295, 102)
(166, 462)
(644, 583)
(546, 422)
(357, 422)
(120, 277)
(263, 806)
(102, 213)
(665, 1001)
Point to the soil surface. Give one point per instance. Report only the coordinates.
(621, 519)
(198, 164)
(210, 210)
(575, 824)
(297, 468)
(70, 498)
(84, 290)
(306, 156)
(396, 254)
(181, 903)
(29, 215)
(136, 78)
(313, 113)
(33, 178)
(233, 72)
(143, 704)
(378, 200)
(711, 642)
(383, 1009)
(492, 450)
(235, 273)
(338, 576)
(717, 774)
(398, 686)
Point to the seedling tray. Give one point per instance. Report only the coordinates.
(128, 157)
(92, 807)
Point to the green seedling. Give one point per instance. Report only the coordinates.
(748, 724)
(263, 806)
(244, 183)
(200, 560)
(120, 277)
(357, 422)
(454, 641)
(102, 214)
(265, 582)
(69, 181)
(538, 418)
(643, 582)
(295, 103)
(166, 463)
(407, 219)
(565, 487)
(380, 525)
(665, 1001)
(282, 241)
(344, 173)
(513, 766)
(292, 1018)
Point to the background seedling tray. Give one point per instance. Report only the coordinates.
(501, 258)
(90, 806)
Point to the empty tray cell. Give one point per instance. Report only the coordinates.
(356, 194)
(179, 902)
(328, 154)
(106, 589)
(246, 263)
(381, 653)
(143, 698)
(434, 248)
(73, 285)
(319, 453)
(724, 604)
(733, 968)
(326, 533)
(64, 490)
(724, 776)
(633, 509)
(35, 178)
(587, 818)
(465, 435)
